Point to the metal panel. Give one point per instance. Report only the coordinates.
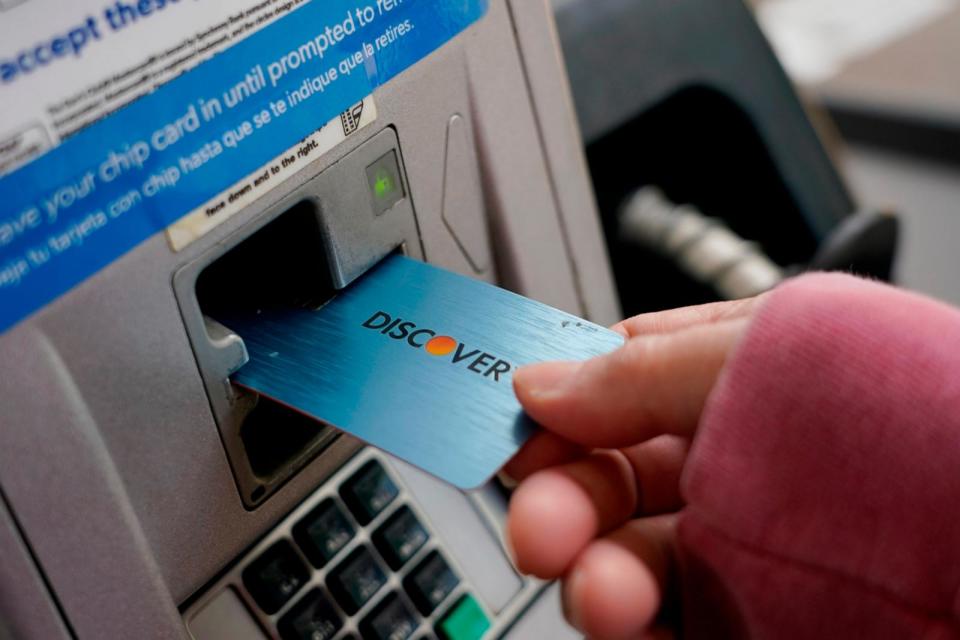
(27, 609)
(109, 452)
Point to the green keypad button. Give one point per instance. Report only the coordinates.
(466, 621)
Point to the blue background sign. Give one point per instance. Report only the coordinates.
(85, 203)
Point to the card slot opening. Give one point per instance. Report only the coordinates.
(283, 264)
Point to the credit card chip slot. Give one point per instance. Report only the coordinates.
(281, 265)
(295, 252)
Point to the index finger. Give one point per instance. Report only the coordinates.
(686, 317)
(653, 385)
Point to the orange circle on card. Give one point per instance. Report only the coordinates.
(441, 346)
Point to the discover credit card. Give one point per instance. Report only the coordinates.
(416, 361)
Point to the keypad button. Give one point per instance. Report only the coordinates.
(368, 492)
(392, 619)
(465, 621)
(323, 533)
(274, 577)
(400, 537)
(430, 583)
(313, 618)
(356, 580)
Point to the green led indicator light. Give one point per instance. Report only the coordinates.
(384, 185)
(384, 182)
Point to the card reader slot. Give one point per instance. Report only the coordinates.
(294, 252)
(283, 264)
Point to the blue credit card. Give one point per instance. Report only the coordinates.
(416, 361)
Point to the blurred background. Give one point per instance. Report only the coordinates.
(826, 137)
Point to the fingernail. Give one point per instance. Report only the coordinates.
(548, 378)
(508, 481)
(508, 545)
(570, 588)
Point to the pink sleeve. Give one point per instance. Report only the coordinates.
(824, 486)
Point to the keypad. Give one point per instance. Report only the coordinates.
(368, 492)
(323, 533)
(274, 577)
(400, 537)
(430, 583)
(312, 618)
(356, 580)
(392, 619)
(358, 562)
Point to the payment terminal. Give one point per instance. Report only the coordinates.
(166, 163)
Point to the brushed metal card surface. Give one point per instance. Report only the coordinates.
(416, 361)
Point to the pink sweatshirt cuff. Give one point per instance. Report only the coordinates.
(825, 477)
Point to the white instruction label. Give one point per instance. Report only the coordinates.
(221, 208)
(23, 146)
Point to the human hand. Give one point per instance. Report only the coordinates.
(599, 491)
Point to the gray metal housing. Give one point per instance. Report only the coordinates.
(118, 499)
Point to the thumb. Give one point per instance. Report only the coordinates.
(653, 385)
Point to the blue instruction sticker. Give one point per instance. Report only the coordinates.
(83, 204)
